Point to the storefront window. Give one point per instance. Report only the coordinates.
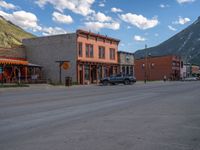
(105, 72)
(99, 72)
(87, 72)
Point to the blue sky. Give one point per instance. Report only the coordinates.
(134, 22)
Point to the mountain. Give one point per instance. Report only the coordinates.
(185, 44)
(10, 34)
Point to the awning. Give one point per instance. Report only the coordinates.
(34, 65)
(13, 61)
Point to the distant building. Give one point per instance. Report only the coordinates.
(92, 56)
(14, 65)
(156, 68)
(195, 70)
(183, 71)
(126, 62)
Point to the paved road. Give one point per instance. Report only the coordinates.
(156, 116)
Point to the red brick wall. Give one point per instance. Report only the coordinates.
(157, 67)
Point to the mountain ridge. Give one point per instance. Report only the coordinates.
(186, 44)
(11, 35)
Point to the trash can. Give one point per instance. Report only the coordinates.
(68, 81)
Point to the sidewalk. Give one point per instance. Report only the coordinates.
(48, 86)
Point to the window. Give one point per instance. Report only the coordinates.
(127, 58)
(87, 72)
(80, 51)
(89, 50)
(112, 53)
(101, 52)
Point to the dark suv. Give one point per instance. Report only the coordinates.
(117, 79)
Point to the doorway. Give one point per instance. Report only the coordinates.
(93, 74)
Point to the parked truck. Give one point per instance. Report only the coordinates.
(117, 79)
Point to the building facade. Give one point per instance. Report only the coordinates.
(195, 70)
(156, 68)
(91, 56)
(96, 57)
(126, 63)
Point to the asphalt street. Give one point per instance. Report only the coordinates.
(155, 116)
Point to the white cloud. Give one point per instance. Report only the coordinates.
(6, 5)
(139, 21)
(164, 6)
(139, 38)
(82, 7)
(182, 21)
(100, 17)
(172, 28)
(115, 10)
(98, 21)
(52, 31)
(101, 5)
(25, 20)
(96, 26)
(60, 18)
(185, 1)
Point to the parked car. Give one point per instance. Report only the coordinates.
(117, 79)
(190, 79)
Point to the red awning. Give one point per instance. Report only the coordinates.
(13, 61)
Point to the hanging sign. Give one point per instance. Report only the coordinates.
(66, 65)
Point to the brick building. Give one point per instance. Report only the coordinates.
(91, 56)
(155, 68)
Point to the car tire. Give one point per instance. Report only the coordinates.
(126, 82)
(105, 83)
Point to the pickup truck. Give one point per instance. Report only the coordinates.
(117, 79)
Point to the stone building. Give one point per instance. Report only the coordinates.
(126, 62)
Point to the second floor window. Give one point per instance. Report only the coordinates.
(89, 50)
(80, 50)
(112, 53)
(101, 52)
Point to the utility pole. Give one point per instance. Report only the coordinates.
(145, 71)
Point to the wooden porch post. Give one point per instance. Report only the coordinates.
(97, 74)
(83, 74)
(26, 74)
(90, 73)
(102, 71)
(78, 73)
(2, 74)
